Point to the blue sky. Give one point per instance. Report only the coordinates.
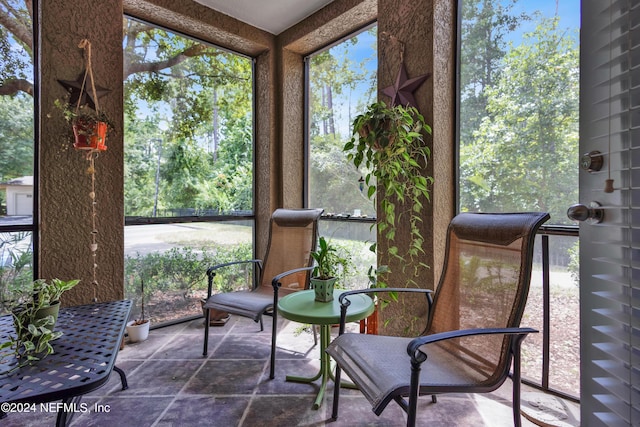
(568, 10)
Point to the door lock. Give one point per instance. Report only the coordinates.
(591, 161)
(593, 214)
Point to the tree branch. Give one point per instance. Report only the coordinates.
(20, 28)
(12, 87)
(132, 68)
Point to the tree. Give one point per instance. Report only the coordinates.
(523, 155)
(16, 41)
(485, 26)
(205, 101)
(16, 137)
(160, 69)
(340, 86)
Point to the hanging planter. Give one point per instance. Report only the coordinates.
(90, 135)
(90, 127)
(82, 110)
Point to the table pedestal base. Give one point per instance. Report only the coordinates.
(325, 372)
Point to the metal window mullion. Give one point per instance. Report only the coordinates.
(546, 312)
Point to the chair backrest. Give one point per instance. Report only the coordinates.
(485, 282)
(292, 236)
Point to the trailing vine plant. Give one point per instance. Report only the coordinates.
(389, 143)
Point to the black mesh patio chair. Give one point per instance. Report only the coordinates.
(472, 334)
(286, 268)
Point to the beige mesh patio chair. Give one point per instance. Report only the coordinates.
(472, 332)
(286, 268)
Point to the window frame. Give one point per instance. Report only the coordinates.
(143, 220)
(307, 120)
(33, 228)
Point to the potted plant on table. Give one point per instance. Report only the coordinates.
(35, 310)
(48, 294)
(329, 265)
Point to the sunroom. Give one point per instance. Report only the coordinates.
(222, 113)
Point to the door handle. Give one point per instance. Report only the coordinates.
(593, 214)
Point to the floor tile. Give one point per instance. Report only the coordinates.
(171, 384)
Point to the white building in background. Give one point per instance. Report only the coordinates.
(19, 195)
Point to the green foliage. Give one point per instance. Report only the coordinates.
(50, 292)
(34, 333)
(522, 155)
(39, 292)
(16, 136)
(16, 266)
(184, 270)
(389, 144)
(202, 159)
(33, 338)
(574, 262)
(485, 27)
(82, 114)
(342, 82)
(330, 262)
(15, 42)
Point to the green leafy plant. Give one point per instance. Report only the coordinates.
(33, 331)
(329, 262)
(142, 320)
(16, 265)
(389, 143)
(83, 113)
(50, 292)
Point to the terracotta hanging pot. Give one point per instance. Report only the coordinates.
(90, 135)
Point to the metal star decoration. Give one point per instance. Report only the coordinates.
(74, 87)
(402, 90)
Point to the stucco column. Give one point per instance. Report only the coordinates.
(421, 34)
(65, 206)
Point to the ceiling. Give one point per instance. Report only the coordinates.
(273, 16)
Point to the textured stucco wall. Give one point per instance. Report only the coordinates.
(292, 111)
(65, 206)
(333, 22)
(444, 139)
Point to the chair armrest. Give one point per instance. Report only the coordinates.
(275, 282)
(211, 271)
(418, 356)
(344, 300)
(345, 294)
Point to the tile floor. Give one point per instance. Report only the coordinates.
(171, 384)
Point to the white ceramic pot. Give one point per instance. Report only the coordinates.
(138, 333)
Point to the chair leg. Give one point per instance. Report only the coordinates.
(517, 420)
(205, 350)
(315, 335)
(413, 394)
(123, 377)
(274, 334)
(336, 393)
(261, 324)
